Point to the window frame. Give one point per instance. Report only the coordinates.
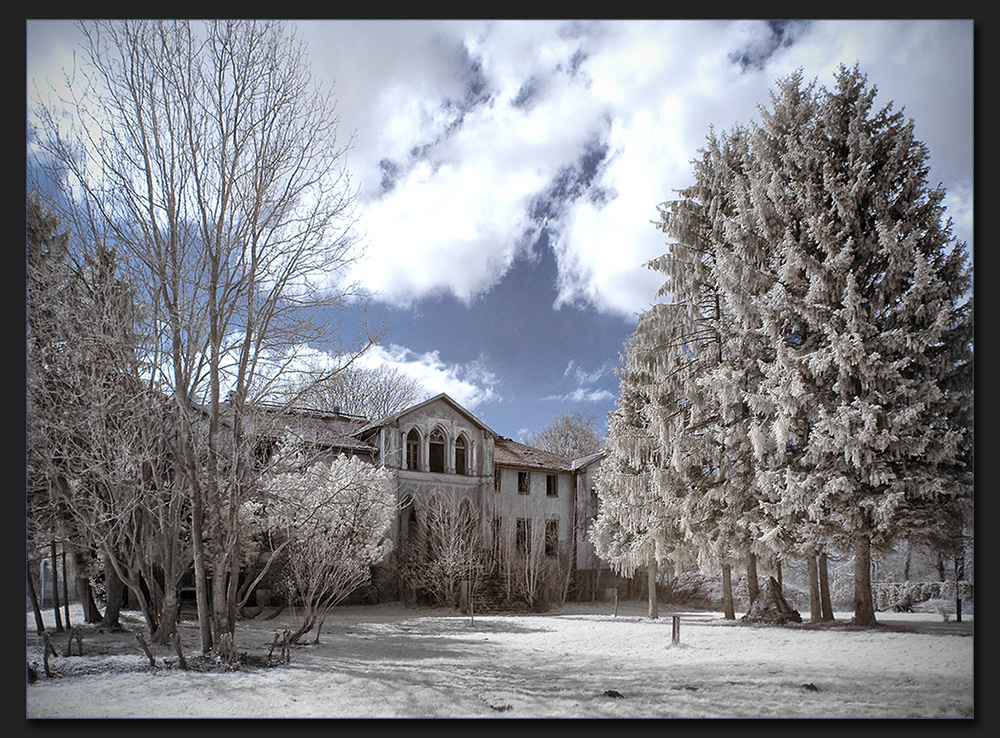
(552, 537)
(461, 459)
(414, 446)
(524, 483)
(522, 536)
(436, 452)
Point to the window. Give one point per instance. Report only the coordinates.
(522, 483)
(436, 448)
(497, 531)
(551, 537)
(523, 536)
(551, 485)
(460, 455)
(496, 478)
(413, 449)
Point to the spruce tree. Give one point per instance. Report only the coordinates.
(635, 525)
(870, 319)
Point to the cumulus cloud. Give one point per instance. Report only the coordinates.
(582, 394)
(470, 384)
(582, 376)
(475, 136)
(471, 138)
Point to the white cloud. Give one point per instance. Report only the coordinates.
(468, 167)
(582, 376)
(582, 394)
(470, 384)
(650, 91)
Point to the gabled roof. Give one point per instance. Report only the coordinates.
(393, 419)
(511, 453)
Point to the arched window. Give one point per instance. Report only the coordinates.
(460, 446)
(436, 449)
(413, 449)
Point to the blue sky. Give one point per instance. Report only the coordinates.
(509, 172)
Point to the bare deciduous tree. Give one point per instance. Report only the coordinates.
(571, 435)
(449, 550)
(369, 393)
(205, 154)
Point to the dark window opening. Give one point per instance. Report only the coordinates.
(551, 485)
(497, 530)
(460, 456)
(522, 483)
(496, 478)
(551, 537)
(523, 536)
(436, 448)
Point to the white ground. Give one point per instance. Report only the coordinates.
(397, 662)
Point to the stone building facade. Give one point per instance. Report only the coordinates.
(438, 449)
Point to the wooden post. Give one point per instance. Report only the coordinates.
(176, 640)
(616, 601)
(145, 647)
(676, 634)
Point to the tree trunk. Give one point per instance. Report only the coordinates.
(727, 593)
(824, 588)
(753, 586)
(84, 592)
(815, 611)
(771, 607)
(864, 610)
(33, 596)
(200, 586)
(959, 577)
(777, 573)
(55, 587)
(167, 627)
(65, 590)
(115, 592)
(654, 607)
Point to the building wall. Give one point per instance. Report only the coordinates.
(509, 505)
(415, 487)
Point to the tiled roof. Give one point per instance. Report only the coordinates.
(587, 460)
(315, 428)
(512, 453)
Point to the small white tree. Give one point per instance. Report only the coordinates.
(451, 550)
(335, 517)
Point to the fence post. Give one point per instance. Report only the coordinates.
(676, 636)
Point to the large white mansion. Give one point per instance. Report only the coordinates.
(437, 447)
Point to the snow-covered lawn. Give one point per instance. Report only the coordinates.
(393, 661)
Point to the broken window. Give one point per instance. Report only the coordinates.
(522, 483)
(551, 485)
(551, 537)
(497, 531)
(460, 455)
(523, 536)
(436, 448)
